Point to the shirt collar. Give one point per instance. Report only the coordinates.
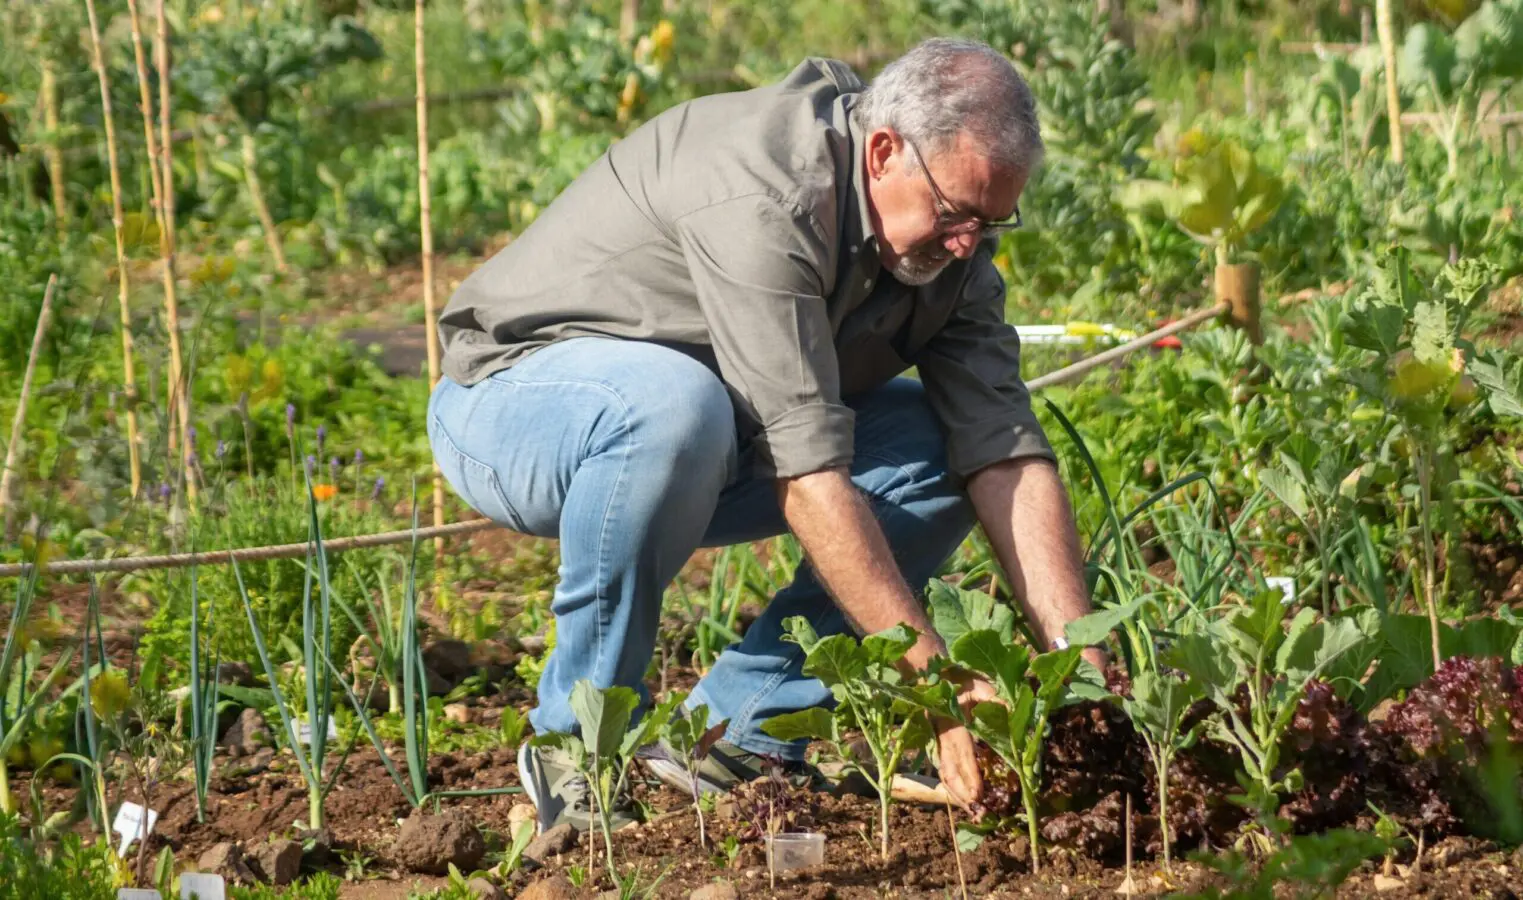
(858, 219)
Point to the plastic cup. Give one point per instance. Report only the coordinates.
(796, 850)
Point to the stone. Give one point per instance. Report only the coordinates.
(247, 734)
(558, 840)
(485, 890)
(278, 862)
(226, 859)
(556, 887)
(235, 673)
(431, 844)
(458, 712)
(450, 658)
(1384, 883)
(521, 813)
(438, 685)
(719, 890)
(316, 845)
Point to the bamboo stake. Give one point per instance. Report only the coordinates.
(51, 150)
(13, 449)
(145, 101)
(1387, 29)
(261, 208)
(179, 387)
(123, 291)
(430, 326)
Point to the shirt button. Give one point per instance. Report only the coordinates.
(854, 249)
(868, 283)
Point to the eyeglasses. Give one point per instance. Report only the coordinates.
(949, 222)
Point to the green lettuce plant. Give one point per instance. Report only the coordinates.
(873, 696)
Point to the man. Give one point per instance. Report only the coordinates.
(697, 344)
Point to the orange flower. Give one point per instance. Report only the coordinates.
(324, 491)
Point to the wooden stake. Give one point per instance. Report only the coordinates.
(430, 324)
(13, 449)
(129, 377)
(629, 20)
(179, 385)
(1237, 285)
(962, 881)
(145, 101)
(261, 208)
(1387, 30)
(51, 150)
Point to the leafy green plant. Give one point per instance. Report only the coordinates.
(1015, 727)
(606, 746)
(1255, 671)
(1308, 866)
(21, 661)
(1319, 485)
(71, 870)
(203, 702)
(1158, 706)
(691, 737)
(873, 696)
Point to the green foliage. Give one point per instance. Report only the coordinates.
(690, 736)
(872, 696)
(71, 870)
(320, 886)
(1157, 707)
(1308, 866)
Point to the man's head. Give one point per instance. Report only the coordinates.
(951, 136)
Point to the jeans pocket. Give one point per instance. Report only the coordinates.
(475, 481)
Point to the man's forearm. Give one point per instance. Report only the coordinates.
(1025, 512)
(852, 558)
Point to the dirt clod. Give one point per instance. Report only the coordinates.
(226, 859)
(247, 734)
(556, 887)
(278, 862)
(450, 658)
(554, 842)
(430, 844)
(486, 890)
(719, 890)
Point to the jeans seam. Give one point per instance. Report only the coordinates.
(515, 521)
(600, 597)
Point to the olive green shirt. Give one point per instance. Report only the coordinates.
(735, 228)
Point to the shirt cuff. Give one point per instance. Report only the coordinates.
(973, 446)
(806, 439)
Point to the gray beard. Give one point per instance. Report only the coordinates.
(914, 271)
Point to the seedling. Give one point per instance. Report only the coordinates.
(871, 697)
(1015, 727)
(1157, 707)
(691, 736)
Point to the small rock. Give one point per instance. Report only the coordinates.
(317, 846)
(719, 890)
(726, 808)
(556, 887)
(610, 894)
(235, 673)
(279, 862)
(247, 734)
(458, 712)
(493, 653)
(1385, 883)
(431, 844)
(554, 842)
(485, 890)
(519, 814)
(226, 859)
(438, 685)
(1020, 848)
(451, 658)
(753, 873)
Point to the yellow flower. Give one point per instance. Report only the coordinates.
(109, 693)
(324, 491)
(662, 38)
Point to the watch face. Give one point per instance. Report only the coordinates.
(1060, 643)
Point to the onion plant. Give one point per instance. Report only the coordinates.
(20, 661)
(203, 700)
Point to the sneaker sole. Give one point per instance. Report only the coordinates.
(675, 776)
(529, 777)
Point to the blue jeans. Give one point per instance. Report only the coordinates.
(627, 453)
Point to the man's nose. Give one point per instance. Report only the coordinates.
(961, 245)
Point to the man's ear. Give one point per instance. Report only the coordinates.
(881, 145)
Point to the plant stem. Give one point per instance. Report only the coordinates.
(261, 208)
(1425, 502)
(1161, 760)
(13, 449)
(1028, 800)
(7, 803)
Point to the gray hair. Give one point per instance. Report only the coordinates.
(945, 86)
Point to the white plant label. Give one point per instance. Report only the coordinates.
(201, 886)
(133, 823)
(1286, 586)
(304, 732)
(138, 894)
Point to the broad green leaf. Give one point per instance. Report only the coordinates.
(1285, 489)
(799, 631)
(955, 612)
(1257, 628)
(1203, 658)
(969, 837)
(1428, 60)
(1500, 377)
(1432, 340)
(1097, 626)
(1481, 637)
(604, 715)
(1159, 702)
(889, 646)
(1347, 673)
(1053, 669)
(836, 660)
(814, 723)
(1373, 325)
(1004, 662)
(1405, 660)
(1319, 646)
(649, 726)
(991, 724)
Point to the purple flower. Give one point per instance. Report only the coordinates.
(191, 436)
(221, 449)
(164, 492)
(311, 464)
(333, 469)
(359, 457)
(380, 483)
(290, 420)
(322, 435)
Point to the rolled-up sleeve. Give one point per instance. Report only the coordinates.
(971, 371)
(759, 266)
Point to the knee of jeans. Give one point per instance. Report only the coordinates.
(686, 413)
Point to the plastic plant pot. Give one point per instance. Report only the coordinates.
(796, 850)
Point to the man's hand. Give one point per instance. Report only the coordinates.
(959, 764)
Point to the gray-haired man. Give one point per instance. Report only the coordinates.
(698, 344)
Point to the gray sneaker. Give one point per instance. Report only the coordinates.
(725, 768)
(561, 794)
